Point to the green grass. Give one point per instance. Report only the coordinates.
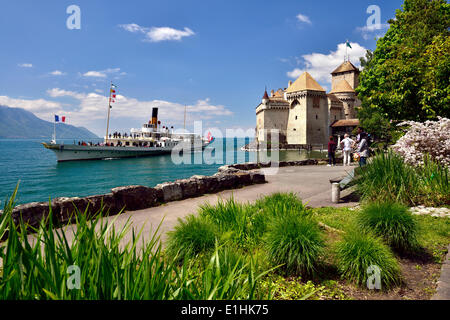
(391, 221)
(296, 243)
(35, 265)
(191, 236)
(357, 251)
(388, 178)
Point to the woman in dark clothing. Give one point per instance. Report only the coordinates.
(331, 152)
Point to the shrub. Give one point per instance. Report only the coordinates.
(191, 236)
(430, 137)
(231, 218)
(357, 251)
(391, 221)
(388, 178)
(296, 242)
(280, 203)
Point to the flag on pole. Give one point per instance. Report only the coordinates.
(63, 119)
(348, 44)
(56, 118)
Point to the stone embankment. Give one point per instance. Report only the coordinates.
(140, 197)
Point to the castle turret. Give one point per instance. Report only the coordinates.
(265, 98)
(345, 93)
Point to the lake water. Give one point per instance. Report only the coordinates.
(42, 177)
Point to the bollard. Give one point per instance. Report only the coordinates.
(335, 192)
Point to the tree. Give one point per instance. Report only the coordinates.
(366, 60)
(407, 78)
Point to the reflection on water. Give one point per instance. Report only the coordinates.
(42, 177)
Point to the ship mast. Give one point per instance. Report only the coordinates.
(109, 111)
(185, 117)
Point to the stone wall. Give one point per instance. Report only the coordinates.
(134, 197)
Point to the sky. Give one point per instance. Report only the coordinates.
(214, 57)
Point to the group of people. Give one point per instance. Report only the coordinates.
(360, 148)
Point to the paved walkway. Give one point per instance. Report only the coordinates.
(443, 289)
(311, 183)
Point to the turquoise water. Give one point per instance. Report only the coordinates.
(42, 177)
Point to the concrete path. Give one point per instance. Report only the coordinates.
(443, 288)
(310, 183)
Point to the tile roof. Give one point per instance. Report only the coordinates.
(345, 66)
(346, 123)
(304, 82)
(342, 86)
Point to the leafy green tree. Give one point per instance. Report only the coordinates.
(407, 78)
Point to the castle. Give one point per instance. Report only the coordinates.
(305, 115)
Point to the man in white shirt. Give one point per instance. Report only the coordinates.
(347, 144)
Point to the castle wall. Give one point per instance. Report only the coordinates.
(351, 77)
(317, 123)
(270, 119)
(297, 123)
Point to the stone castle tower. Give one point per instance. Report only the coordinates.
(305, 114)
(308, 112)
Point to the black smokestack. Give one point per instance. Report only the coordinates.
(155, 117)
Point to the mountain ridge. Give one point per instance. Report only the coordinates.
(18, 123)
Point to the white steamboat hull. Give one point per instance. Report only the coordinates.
(76, 152)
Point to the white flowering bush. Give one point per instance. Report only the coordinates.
(430, 137)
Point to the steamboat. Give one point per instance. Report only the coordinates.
(150, 140)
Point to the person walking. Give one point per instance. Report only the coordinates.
(331, 152)
(363, 149)
(346, 145)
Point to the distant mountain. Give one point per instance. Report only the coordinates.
(17, 123)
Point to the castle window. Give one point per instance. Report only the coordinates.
(296, 117)
(317, 117)
(316, 102)
(335, 118)
(295, 129)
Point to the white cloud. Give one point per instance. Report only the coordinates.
(57, 73)
(320, 65)
(303, 18)
(102, 73)
(25, 65)
(89, 110)
(373, 31)
(40, 107)
(157, 34)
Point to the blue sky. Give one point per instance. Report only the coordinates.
(214, 56)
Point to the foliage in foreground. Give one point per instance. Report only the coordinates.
(391, 221)
(358, 250)
(296, 243)
(36, 266)
(388, 178)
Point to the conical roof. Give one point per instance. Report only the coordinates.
(265, 96)
(342, 86)
(304, 82)
(344, 67)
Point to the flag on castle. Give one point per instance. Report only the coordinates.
(348, 44)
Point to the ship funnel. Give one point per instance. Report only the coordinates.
(155, 117)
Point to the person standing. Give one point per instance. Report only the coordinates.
(347, 144)
(331, 152)
(363, 149)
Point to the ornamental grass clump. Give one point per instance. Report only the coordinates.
(391, 221)
(358, 251)
(388, 178)
(296, 243)
(93, 261)
(191, 236)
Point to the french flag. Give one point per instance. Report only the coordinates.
(63, 118)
